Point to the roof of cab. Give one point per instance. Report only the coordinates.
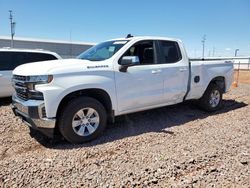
(147, 38)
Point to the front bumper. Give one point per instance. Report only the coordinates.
(32, 112)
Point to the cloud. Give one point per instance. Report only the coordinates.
(228, 49)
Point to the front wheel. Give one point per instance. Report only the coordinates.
(212, 98)
(82, 120)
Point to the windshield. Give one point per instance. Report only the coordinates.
(103, 50)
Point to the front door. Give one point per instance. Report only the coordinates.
(141, 86)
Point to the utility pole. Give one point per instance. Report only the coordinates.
(12, 28)
(203, 45)
(235, 84)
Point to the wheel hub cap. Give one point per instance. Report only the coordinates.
(214, 98)
(85, 121)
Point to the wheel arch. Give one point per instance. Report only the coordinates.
(99, 94)
(219, 81)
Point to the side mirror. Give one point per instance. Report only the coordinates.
(128, 61)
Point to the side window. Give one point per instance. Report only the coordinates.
(5, 61)
(10, 60)
(144, 50)
(19, 58)
(35, 57)
(170, 51)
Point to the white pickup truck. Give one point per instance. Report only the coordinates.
(76, 97)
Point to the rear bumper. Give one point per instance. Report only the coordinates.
(32, 112)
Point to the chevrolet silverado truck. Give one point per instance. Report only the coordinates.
(77, 97)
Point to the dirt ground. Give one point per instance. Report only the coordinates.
(243, 76)
(175, 146)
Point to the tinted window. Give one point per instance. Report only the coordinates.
(170, 51)
(35, 57)
(5, 61)
(10, 60)
(144, 50)
(18, 58)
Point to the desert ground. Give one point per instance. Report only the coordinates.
(175, 146)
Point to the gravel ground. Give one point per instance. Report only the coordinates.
(176, 146)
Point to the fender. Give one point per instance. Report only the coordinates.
(54, 95)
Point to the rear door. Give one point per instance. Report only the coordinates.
(174, 70)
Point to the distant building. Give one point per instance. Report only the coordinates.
(65, 49)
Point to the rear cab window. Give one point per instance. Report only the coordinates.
(170, 52)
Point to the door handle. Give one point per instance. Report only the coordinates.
(156, 71)
(183, 69)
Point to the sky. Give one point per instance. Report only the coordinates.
(226, 23)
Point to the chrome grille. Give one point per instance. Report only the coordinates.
(20, 78)
(20, 87)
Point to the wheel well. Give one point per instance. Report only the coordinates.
(219, 81)
(98, 94)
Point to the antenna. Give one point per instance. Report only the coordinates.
(12, 28)
(129, 36)
(203, 45)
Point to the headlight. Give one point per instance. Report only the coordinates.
(43, 79)
(32, 81)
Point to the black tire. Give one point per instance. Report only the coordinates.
(204, 101)
(69, 112)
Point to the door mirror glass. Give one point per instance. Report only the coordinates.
(130, 61)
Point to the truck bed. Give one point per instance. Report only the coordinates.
(206, 70)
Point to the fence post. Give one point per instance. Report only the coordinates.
(248, 64)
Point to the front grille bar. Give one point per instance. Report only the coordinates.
(20, 86)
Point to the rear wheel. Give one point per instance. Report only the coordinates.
(82, 120)
(212, 98)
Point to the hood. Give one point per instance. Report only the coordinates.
(53, 67)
